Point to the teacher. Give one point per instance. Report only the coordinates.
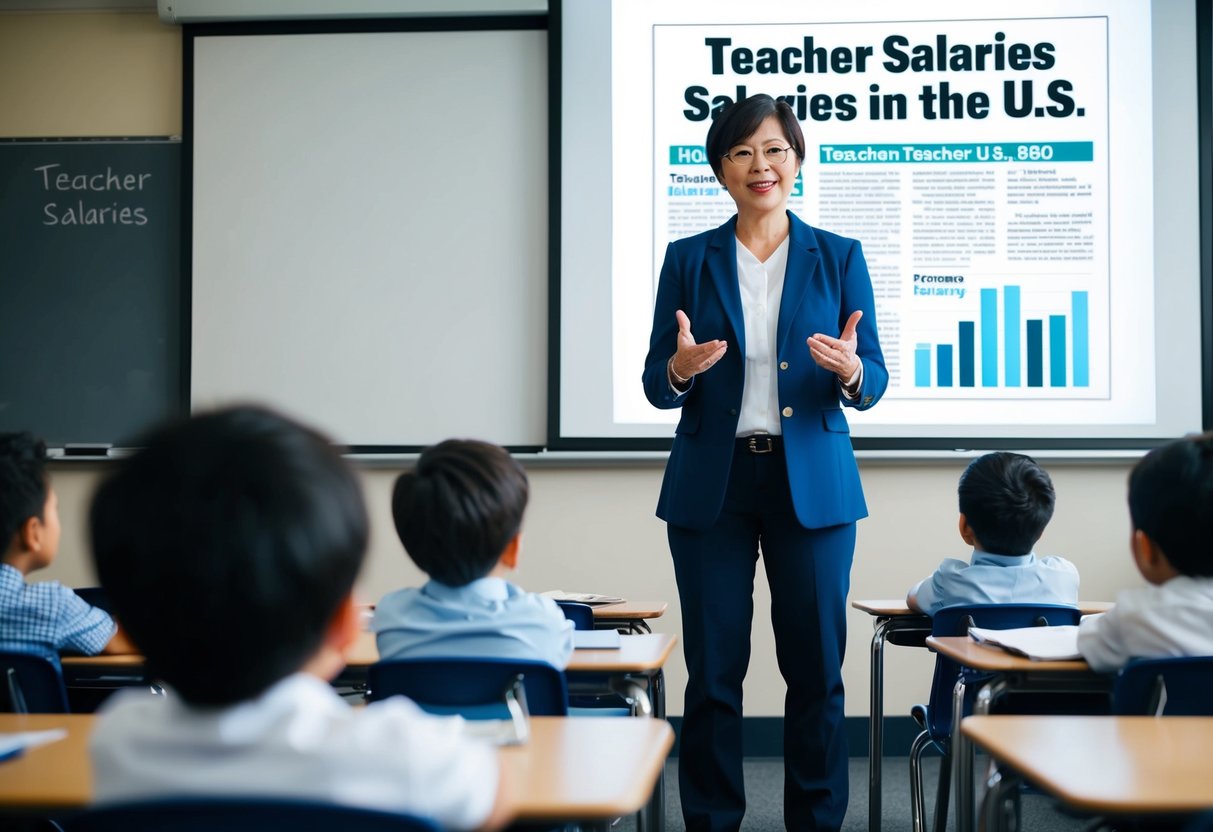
(763, 329)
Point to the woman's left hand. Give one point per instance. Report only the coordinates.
(837, 354)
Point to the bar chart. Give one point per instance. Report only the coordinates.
(1004, 346)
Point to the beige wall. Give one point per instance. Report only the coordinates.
(588, 528)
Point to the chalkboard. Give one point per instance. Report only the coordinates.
(90, 287)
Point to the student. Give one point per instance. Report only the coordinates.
(229, 547)
(459, 516)
(1171, 508)
(1006, 500)
(43, 618)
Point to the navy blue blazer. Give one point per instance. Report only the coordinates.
(826, 280)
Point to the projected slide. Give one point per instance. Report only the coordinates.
(995, 168)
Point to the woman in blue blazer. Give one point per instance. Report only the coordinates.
(784, 337)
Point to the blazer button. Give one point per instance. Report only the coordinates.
(787, 411)
(732, 411)
(867, 399)
(783, 365)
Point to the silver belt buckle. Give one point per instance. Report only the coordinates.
(755, 448)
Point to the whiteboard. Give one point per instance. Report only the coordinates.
(368, 244)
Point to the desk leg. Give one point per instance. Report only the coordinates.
(876, 723)
(962, 749)
(1000, 808)
(962, 762)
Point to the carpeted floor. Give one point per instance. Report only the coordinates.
(764, 799)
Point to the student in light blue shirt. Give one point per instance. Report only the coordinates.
(459, 516)
(1006, 500)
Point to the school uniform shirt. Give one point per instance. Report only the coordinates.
(1171, 619)
(47, 617)
(298, 739)
(999, 579)
(488, 618)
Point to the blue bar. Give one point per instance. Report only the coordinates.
(966, 353)
(989, 337)
(943, 364)
(1035, 353)
(922, 365)
(1010, 329)
(1057, 350)
(1082, 354)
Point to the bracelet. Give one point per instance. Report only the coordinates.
(674, 377)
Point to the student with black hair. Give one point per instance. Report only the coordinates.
(459, 516)
(1006, 500)
(44, 618)
(1171, 508)
(229, 547)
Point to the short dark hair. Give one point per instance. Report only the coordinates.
(736, 122)
(1007, 500)
(226, 547)
(23, 483)
(458, 509)
(1171, 500)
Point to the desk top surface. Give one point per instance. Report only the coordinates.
(642, 653)
(1107, 764)
(896, 608)
(965, 651)
(573, 768)
(630, 610)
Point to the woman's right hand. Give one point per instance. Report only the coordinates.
(691, 359)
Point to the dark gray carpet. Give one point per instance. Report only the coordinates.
(764, 799)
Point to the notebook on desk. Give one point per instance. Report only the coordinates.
(1041, 644)
(595, 639)
(14, 745)
(581, 597)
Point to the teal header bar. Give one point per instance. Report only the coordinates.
(1024, 153)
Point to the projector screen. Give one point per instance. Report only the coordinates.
(1023, 178)
(368, 225)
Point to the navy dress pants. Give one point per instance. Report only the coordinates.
(809, 574)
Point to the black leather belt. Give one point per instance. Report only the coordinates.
(760, 443)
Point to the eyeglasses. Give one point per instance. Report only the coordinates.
(745, 156)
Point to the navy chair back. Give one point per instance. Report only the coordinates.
(1165, 687)
(466, 685)
(31, 684)
(582, 615)
(956, 621)
(234, 815)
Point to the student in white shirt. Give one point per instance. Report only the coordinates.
(1006, 501)
(1171, 507)
(229, 547)
(459, 516)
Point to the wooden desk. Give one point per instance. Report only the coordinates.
(1109, 765)
(894, 622)
(638, 661)
(1011, 673)
(572, 769)
(632, 616)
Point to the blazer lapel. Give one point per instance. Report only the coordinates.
(802, 265)
(721, 262)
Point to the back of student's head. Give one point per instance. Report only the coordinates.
(226, 546)
(459, 508)
(1171, 500)
(1008, 500)
(23, 483)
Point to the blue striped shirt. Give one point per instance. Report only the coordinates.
(47, 617)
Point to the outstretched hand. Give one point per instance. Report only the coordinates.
(837, 354)
(691, 359)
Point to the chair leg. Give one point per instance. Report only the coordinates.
(942, 793)
(917, 801)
